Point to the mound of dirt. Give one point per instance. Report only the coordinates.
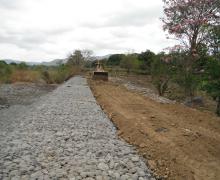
(177, 142)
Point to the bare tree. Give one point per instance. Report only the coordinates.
(87, 55)
(76, 58)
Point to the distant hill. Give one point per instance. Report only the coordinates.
(9, 61)
(55, 62)
(103, 57)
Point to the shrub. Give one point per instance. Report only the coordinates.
(5, 72)
(211, 81)
(59, 74)
(129, 62)
(161, 72)
(24, 76)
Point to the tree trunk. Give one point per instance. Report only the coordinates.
(218, 107)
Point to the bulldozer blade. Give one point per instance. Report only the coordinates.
(100, 76)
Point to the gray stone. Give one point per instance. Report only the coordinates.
(141, 173)
(124, 177)
(117, 175)
(132, 171)
(103, 166)
(25, 177)
(89, 178)
(16, 178)
(73, 178)
(135, 158)
(135, 176)
(111, 164)
(37, 175)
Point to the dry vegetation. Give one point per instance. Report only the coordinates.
(11, 73)
(25, 76)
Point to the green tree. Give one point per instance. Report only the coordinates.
(213, 39)
(185, 76)
(212, 81)
(161, 71)
(212, 69)
(129, 62)
(188, 21)
(5, 72)
(115, 59)
(22, 66)
(146, 58)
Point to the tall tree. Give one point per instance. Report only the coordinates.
(212, 81)
(212, 70)
(146, 59)
(187, 20)
(213, 38)
(115, 59)
(87, 55)
(129, 62)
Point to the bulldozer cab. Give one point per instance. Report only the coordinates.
(100, 73)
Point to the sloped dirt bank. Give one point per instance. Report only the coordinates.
(177, 142)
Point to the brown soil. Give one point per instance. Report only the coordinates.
(177, 142)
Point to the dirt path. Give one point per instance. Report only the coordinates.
(179, 142)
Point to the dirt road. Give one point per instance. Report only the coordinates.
(178, 142)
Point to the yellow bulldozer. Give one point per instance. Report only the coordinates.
(100, 73)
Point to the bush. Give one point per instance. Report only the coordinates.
(211, 81)
(22, 66)
(19, 75)
(146, 58)
(5, 72)
(115, 59)
(161, 72)
(59, 74)
(130, 62)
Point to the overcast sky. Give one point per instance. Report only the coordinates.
(43, 30)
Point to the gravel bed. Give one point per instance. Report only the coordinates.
(22, 93)
(147, 92)
(65, 135)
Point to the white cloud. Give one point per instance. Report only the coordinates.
(39, 30)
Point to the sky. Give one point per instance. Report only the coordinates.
(43, 30)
